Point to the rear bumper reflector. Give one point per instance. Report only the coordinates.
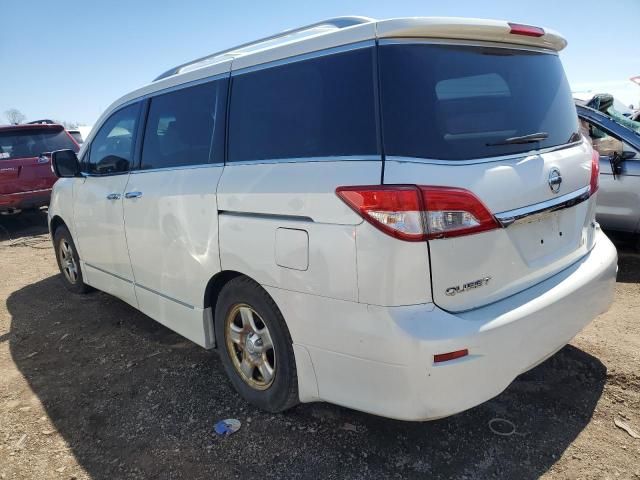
(445, 357)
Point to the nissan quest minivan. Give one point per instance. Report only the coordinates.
(394, 216)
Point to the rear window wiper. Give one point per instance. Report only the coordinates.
(531, 138)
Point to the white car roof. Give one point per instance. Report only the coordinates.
(338, 32)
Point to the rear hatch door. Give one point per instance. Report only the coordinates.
(25, 162)
(500, 122)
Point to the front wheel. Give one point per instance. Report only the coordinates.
(255, 346)
(68, 261)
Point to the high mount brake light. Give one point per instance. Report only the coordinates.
(526, 30)
(417, 213)
(594, 183)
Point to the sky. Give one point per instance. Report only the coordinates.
(70, 60)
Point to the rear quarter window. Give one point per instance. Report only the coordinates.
(320, 107)
(453, 102)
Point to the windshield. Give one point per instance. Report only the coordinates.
(31, 143)
(454, 102)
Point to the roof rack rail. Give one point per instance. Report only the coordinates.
(338, 22)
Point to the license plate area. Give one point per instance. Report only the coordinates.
(547, 237)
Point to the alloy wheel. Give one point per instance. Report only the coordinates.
(68, 263)
(250, 347)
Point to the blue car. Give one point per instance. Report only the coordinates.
(618, 207)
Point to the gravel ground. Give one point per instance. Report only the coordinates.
(91, 388)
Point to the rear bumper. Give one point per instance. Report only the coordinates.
(399, 378)
(22, 200)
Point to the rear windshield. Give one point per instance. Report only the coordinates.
(31, 143)
(461, 102)
(77, 136)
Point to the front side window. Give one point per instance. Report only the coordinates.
(453, 102)
(113, 146)
(183, 126)
(320, 107)
(608, 145)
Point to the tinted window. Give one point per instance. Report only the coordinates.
(454, 102)
(77, 136)
(608, 145)
(313, 108)
(181, 125)
(32, 142)
(112, 147)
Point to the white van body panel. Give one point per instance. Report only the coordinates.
(172, 228)
(365, 311)
(389, 368)
(390, 272)
(258, 199)
(100, 236)
(521, 255)
(502, 183)
(455, 28)
(297, 189)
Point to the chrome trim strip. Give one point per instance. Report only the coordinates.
(350, 158)
(181, 167)
(530, 212)
(109, 273)
(266, 216)
(100, 175)
(456, 163)
(28, 192)
(165, 296)
(464, 43)
(304, 56)
(141, 286)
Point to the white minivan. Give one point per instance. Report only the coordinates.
(395, 216)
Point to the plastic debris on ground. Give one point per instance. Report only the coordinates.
(624, 426)
(227, 427)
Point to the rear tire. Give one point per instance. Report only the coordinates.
(255, 346)
(68, 261)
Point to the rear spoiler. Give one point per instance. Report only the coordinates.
(32, 126)
(471, 29)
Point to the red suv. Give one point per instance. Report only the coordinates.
(25, 164)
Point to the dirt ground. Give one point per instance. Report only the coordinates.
(91, 388)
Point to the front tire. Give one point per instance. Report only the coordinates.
(255, 346)
(68, 261)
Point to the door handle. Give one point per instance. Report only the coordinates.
(113, 196)
(133, 195)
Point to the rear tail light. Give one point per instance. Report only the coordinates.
(595, 172)
(416, 213)
(395, 209)
(526, 30)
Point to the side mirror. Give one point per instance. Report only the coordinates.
(65, 163)
(628, 155)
